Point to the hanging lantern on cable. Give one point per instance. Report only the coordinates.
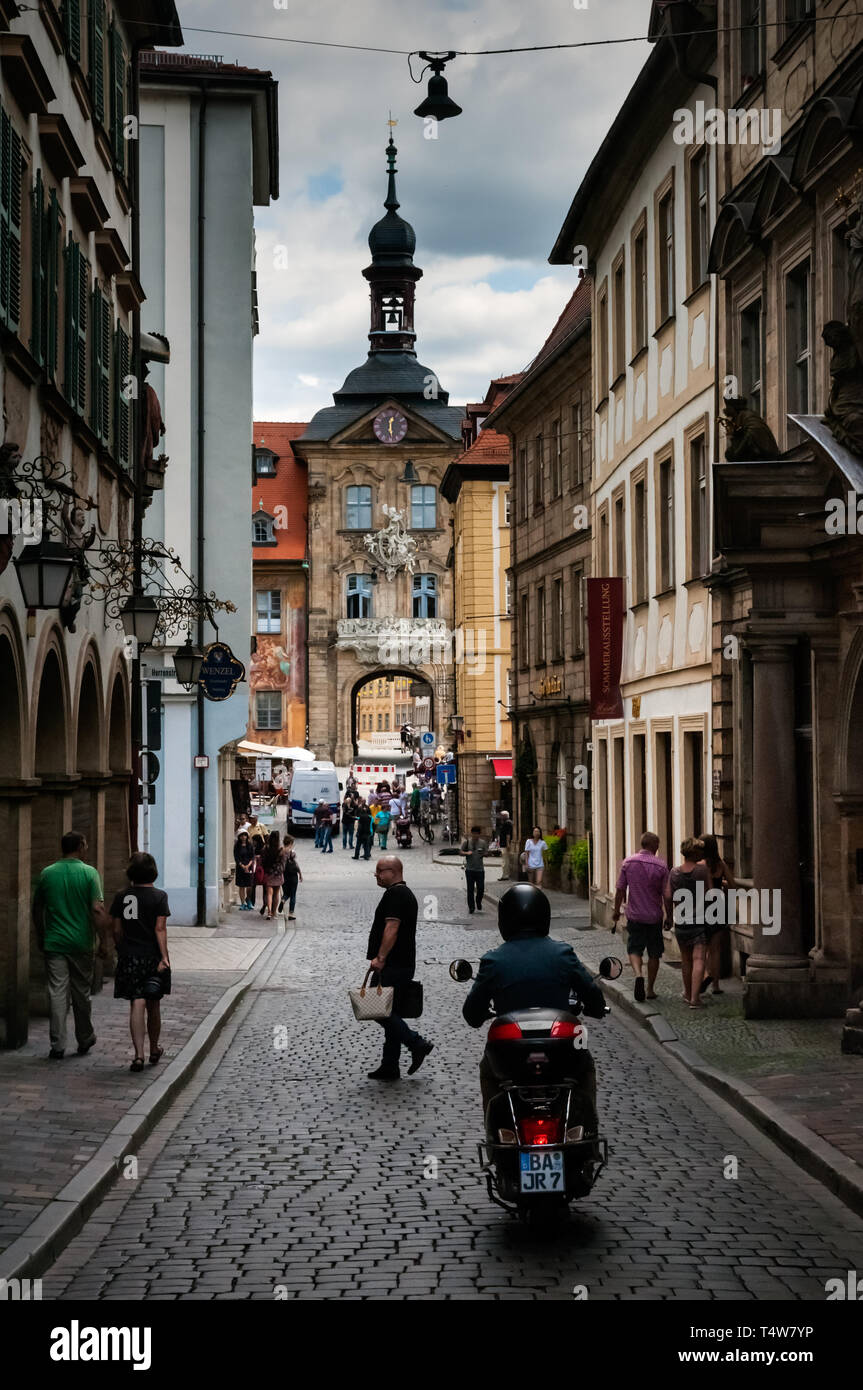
(438, 102)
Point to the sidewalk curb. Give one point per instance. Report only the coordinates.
(62, 1218)
(813, 1154)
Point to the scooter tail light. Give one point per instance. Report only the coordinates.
(564, 1028)
(503, 1032)
(541, 1129)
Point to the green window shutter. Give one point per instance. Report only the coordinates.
(122, 408)
(52, 282)
(37, 335)
(72, 27)
(100, 375)
(96, 33)
(76, 327)
(117, 58)
(10, 224)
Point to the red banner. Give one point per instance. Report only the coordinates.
(605, 600)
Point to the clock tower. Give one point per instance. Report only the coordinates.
(380, 589)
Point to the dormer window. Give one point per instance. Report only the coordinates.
(262, 529)
(265, 463)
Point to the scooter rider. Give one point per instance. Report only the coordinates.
(531, 970)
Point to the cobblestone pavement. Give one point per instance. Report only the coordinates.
(283, 1171)
(54, 1115)
(795, 1062)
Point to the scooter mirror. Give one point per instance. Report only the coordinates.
(610, 967)
(461, 970)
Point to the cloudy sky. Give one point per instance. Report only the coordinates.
(486, 199)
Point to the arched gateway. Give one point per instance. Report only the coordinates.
(380, 586)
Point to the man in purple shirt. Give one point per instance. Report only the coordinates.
(642, 882)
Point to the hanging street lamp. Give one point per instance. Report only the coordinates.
(188, 661)
(140, 617)
(438, 102)
(44, 571)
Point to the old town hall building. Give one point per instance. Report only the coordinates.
(380, 590)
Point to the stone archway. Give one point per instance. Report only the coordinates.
(15, 833)
(384, 673)
(117, 840)
(88, 762)
(51, 809)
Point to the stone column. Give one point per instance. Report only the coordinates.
(777, 973)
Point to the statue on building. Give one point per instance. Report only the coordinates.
(152, 429)
(749, 436)
(844, 413)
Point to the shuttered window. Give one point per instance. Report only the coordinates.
(77, 299)
(117, 59)
(10, 224)
(72, 27)
(122, 407)
(96, 55)
(101, 339)
(45, 259)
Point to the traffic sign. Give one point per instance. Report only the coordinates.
(153, 766)
(427, 739)
(263, 769)
(429, 764)
(446, 774)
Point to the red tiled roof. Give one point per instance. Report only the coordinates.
(157, 60)
(575, 312)
(289, 488)
(488, 446)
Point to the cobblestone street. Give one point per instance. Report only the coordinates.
(283, 1172)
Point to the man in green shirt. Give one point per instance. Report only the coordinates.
(69, 912)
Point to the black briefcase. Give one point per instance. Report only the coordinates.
(408, 1000)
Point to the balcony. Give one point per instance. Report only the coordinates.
(396, 641)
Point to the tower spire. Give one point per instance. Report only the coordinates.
(392, 274)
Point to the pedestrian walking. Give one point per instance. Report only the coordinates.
(416, 761)
(474, 848)
(321, 816)
(70, 918)
(273, 864)
(505, 831)
(382, 825)
(392, 956)
(326, 829)
(364, 832)
(642, 882)
(683, 908)
(721, 878)
(534, 862)
(139, 920)
(258, 847)
(293, 877)
(244, 870)
(349, 815)
(415, 805)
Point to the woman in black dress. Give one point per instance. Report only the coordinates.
(244, 870)
(139, 919)
(722, 878)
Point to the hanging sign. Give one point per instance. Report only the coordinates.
(220, 672)
(263, 769)
(605, 641)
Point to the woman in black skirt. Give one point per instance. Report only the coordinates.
(244, 870)
(139, 917)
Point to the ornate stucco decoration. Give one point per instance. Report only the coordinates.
(392, 547)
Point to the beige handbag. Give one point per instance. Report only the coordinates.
(371, 1002)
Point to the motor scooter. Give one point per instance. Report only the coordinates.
(404, 838)
(542, 1149)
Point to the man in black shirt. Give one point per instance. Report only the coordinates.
(392, 954)
(364, 831)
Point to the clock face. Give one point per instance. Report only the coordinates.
(390, 427)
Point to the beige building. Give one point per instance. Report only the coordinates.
(645, 210)
(375, 461)
(382, 707)
(787, 590)
(547, 418)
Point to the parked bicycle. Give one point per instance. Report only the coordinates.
(424, 827)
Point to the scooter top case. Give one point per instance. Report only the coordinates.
(530, 1046)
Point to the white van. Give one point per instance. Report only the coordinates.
(312, 783)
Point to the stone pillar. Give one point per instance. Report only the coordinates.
(777, 981)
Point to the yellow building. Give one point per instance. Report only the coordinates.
(478, 487)
(383, 705)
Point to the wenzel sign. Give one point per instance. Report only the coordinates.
(605, 639)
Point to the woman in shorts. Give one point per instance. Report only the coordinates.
(685, 906)
(139, 920)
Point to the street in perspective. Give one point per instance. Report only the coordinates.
(441, 882)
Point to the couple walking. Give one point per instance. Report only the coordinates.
(657, 897)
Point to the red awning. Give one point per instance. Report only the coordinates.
(502, 769)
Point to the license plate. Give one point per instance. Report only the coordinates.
(541, 1172)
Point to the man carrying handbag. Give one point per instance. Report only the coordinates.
(392, 956)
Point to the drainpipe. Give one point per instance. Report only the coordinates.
(201, 914)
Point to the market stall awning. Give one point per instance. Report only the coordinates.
(502, 769)
(266, 750)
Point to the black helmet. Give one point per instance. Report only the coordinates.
(523, 911)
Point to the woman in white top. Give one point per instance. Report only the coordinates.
(534, 862)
